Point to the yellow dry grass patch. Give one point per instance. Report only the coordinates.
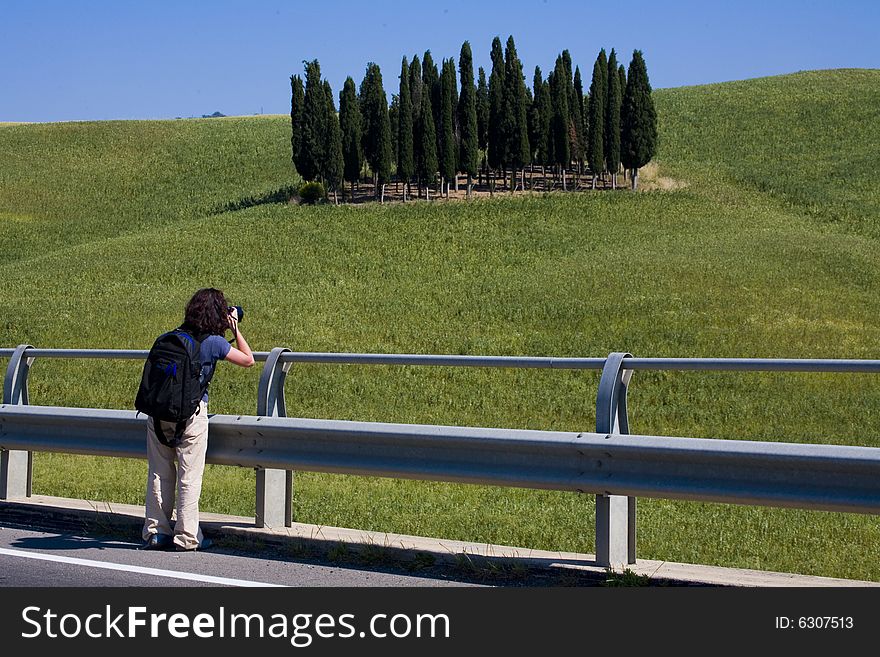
(650, 179)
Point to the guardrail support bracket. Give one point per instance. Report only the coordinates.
(16, 467)
(274, 496)
(615, 514)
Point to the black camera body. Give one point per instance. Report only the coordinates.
(238, 312)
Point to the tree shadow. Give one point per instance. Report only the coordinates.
(281, 195)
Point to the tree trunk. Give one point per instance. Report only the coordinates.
(456, 183)
(564, 189)
(613, 181)
(470, 183)
(382, 196)
(634, 175)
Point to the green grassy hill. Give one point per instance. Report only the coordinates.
(766, 246)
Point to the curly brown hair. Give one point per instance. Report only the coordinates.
(207, 312)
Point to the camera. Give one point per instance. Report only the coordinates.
(237, 312)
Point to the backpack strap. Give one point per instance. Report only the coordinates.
(175, 440)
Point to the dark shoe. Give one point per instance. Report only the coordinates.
(206, 544)
(157, 542)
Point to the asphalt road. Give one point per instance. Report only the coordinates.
(30, 557)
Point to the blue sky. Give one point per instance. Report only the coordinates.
(93, 60)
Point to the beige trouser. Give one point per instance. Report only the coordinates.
(164, 480)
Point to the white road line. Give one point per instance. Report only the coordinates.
(225, 581)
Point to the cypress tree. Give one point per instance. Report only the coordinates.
(622, 73)
(596, 139)
(497, 109)
(415, 86)
(468, 149)
(559, 127)
(297, 101)
(314, 139)
(448, 148)
(550, 124)
(405, 161)
(376, 126)
(393, 123)
(581, 116)
(350, 125)
(638, 118)
(431, 79)
(546, 140)
(612, 120)
(518, 129)
(482, 117)
(426, 138)
(537, 134)
(574, 116)
(333, 162)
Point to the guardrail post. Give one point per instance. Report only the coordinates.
(16, 466)
(274, 487)
(615, 514)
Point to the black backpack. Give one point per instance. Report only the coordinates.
(172, 385)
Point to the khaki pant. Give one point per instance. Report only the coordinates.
(165, 481)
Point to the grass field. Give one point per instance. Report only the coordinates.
(768, 247)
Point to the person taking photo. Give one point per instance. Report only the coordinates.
(176, 450)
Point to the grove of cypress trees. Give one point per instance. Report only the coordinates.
(297, 101)
(517, 130)
(612, 120)
(333, 162)
(559, 124)
(497, 110)
(596, 139)
(314, 124)
(638, 118)
(482, 117)
(405, 161)
(376, 127)
(350, 125)
(448, 152)
(468, 145)
(426, 150)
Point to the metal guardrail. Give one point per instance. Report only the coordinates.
(824, 477)
(615, 466)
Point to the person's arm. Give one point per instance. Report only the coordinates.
(241, 355)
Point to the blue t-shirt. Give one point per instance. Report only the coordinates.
(214, 348)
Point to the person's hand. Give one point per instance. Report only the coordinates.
(233, 322)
